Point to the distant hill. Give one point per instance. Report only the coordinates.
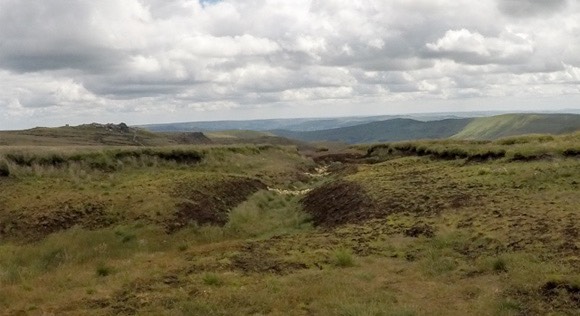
(231, 137)
(384, 131)
(298, 124)
(301, 124)
(519, 124)
(392, 129)
(97, 135)
(122, 135)
(462, 128)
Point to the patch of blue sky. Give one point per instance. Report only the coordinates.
(209, 2)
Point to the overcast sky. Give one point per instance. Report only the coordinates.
(145, 61)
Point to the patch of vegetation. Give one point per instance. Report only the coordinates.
(105, 160)
(499, 265)
(212, 279)
(343, 258)
(103, 270)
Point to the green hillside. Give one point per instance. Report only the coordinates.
(384, 131)
(465, 128)
(518, 124)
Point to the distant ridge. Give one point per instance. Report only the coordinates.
(482, 128)
(384, 131)
(390, 130)
(300, 124)
(96, 134)
(518, 124)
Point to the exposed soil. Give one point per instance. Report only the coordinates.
(130, 298)
(212, 203)
(418, 230)
(572, 152)
(559, 296)
(254, 259)
(338, 203)
(343, 202)
(532, 157)
(34, 224)
(383, 151)
(565, 292)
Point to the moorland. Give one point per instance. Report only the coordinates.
(111, 219)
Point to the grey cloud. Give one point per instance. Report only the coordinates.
(527, 8)
(152, 56)
(31, 60)
(57, 34)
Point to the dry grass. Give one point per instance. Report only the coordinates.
(437, 237)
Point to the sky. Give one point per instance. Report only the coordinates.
(152, 61)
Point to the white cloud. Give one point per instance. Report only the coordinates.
(145, 60)
(462, 44)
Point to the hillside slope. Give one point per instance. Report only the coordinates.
(384, 131)
(302, 124)
(483, 128)
(518, 124)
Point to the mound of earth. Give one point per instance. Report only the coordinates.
(36, 223)
(338, 203)
(338, 157)
(212, 203)
(347, 202)
(561, 293)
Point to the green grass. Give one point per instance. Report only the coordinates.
(212, 279)
(343, 258)
(440, 233)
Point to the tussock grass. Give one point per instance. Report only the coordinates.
(212, 279)
(343, 258)
(103, 270)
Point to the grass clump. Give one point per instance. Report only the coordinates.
(343, 258)
(212, 279)
(499, 265)
(103, 270)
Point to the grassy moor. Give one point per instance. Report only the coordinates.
(111, 220)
